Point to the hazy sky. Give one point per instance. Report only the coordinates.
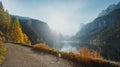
(63, 16)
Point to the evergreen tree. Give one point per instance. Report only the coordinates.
(2, 19)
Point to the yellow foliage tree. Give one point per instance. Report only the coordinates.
(17, 35)
(26, 39)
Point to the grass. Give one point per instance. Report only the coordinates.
(85, 61)
(2, 52)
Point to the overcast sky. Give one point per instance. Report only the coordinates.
(63, 16)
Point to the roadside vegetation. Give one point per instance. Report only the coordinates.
(10, 31)
(2, 52)
(87, 57)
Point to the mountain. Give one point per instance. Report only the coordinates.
(37, 31)
(109, 9)
(111, 38)
(98, 25)
(104, 33)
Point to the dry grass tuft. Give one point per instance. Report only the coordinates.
(85, 51)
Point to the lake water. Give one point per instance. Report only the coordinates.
(73, 46)
(70, 46)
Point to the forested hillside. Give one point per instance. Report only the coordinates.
(10, 30)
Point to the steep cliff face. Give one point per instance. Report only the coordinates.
(36, 30)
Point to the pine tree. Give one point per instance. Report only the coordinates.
(9, 23)
(2, 19)
(5, 22)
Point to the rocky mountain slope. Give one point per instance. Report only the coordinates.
(104, 32)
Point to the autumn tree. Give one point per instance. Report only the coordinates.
(16, 31)
(10, 30)
(26, 39)
(17, 34)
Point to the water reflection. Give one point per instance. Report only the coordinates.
(70, 46)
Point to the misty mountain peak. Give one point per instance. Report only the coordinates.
(109, 9)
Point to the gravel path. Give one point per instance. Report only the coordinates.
(20, 56)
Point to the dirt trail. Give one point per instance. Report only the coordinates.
(20, 56)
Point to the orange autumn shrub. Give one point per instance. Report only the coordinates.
(41, 46)
(85, 51)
